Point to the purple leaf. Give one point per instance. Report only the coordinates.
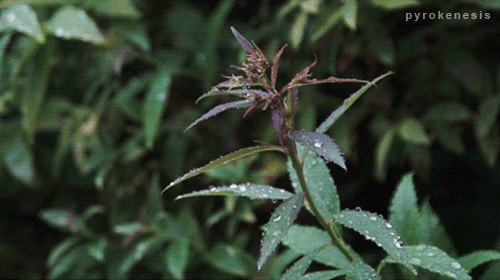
(245, 44)
(219, 109)
(278, 120)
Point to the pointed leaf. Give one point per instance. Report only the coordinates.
(177, 257)
(395, 4)
(477, 258)
(433, 231)
(382, 154)
(378, 230)
(433, 259)
(61, 249)
(350, 9)
(22, 18)
(299, 267)
(331, 20)
(232, 260)
(219, 109)
(297, 29)
(488, 113)
(412, 130)
(244, 92)
(72, 23)
(361, 270)
(279, 223)
(244, 43)
(404, 214)
(321, 144)
(249, 190)
(322, 275)
(154, 105)
(223, 160)
(276, 65)
(19, 160)
(155, 202)
(60, 219)
(450, 136)
(278, 120)
(347, 103)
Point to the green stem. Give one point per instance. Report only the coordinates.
(335, 236)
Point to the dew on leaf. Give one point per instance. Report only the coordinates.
(430, 254)
(243, 188)
(420, 247)
(277, 218)
(233, 186)
(59, 31)
(455, 265)
(416, 261)
(373, 218)
(388, 225)
(10, 17)
(318, 144)
(398, 243)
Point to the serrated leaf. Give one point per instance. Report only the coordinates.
(350, 9)
(448, 112)
(378, 230)
(404, 215)
(73, 23)
(304, 239)
(154, 105)
(477, 258)
(219, 109)
(395, 4)
(22, 18)
(412, 130)
(223, 160)
(488, 113)
(244, 92)
(299, 267)
(252, 191)
(320, 182)
(433, 231)
(177, 256)
(321, 144)
(362, 271)
(348, 103)
(322, 275)
(279, 223)
(232, 260)
(435, 260)
(244, 43)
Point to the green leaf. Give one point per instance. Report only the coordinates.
(249, 190)
(299, 267)
(281, 262)
(448, 112)
(361, 270)
(135, 33)
(22, 18)
(60, 219)
(320, 182)
(223, 160)
(404, 215)
(98, 248)
(304, 239)
(488, 113)
(477, 258)
(73, 23)
(154, 105)
(192, 227)
(321, 144)
(348, 103)
(8, 3)
(128, 229)
(435, 260)
(450, 136)
(177, 257)
(382, 153)
(489, 146)
(433, 231)
(138, 251)
(321, 275)
(464, 66)
(395, 4)
(19, 160)
(350, 15)
(297, 29)
(232, 260)
(155, 202)
(279, 223)
(412, 130)
(76, 258)
(116, 8)
(62, 248)
(332, 19)
(378, 230)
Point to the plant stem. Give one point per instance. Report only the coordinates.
(336, 238)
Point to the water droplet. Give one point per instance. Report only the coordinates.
(277, 218)
(276, 233)
(387, 225)
(161, 96)
(59, 31)
(420, 247)
(213, 189)
(350, 222)
(357, 208)
(341, 216)
(10, 17)
(378, 244)
(393, 232)
(265, 195)
(455, 265)
(398, 243)
(282, 191)
(373, 218)
(451, 274)
(430, 254)
(318, 144)
(243, 188)
(416, 261)
(233, 186)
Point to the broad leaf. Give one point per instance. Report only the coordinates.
(72, 23)
(361, 270)
(412, 130)
(223, 160)
(219, 109)
(232, 260)
(321, 144)
(347, 103)
(299, 267)
(378, 230)
(22, 18)
(433, 259)
(477, 258)
(279, 223)
(404, 215)
(249, 190)
(154, 105)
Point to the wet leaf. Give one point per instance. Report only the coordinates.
(73, 23)
(412, 130)
(378, 230)
(223, 160)
(22, 18)
(321, 144)
(154, 105)
(232, 260)
(360, 270)
(279, 223)
(299, 267)
(347, 103)
(477, 258)
(325, 274)
(252, 191)
(219, 109)
(244, 92)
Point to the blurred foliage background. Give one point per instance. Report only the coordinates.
(95, 95)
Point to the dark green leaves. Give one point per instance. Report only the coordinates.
(299, 268)
(321, 144)
(22, 18)
(219, 109)
(154, 105)
(73, 23)
(249, 190)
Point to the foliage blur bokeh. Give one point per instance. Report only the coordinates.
(95, 97)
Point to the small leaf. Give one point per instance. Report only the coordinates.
(276, 65)
(19, 160)
(361, 270)
(395, 4)
(382, 154)
(488, 113)
(249, 190)
(321, 144)
(154, 105)
(435, 260)
(321, 275)
(279, 223)
(22, 18)
(477, 258)
(232, 260)
(350, 9)
(412, 130)
(60, 219)
(299, 267)
(347, 103)
(244, 92)
(219, 109)
(223, 160)
(278, 120)
(448, 112)
(244, 43)
(378, 230)
(72, 23)
(404, 215)
(61, 249)
(177, 257)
